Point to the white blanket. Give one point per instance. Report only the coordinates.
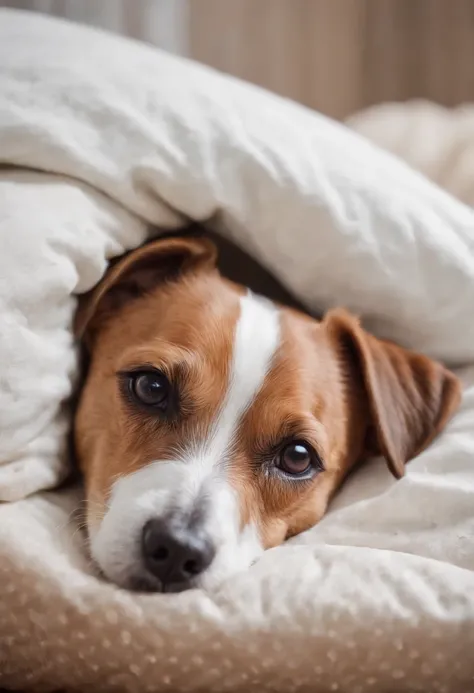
(102, 138)
(436, 140)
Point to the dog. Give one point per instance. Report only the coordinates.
(215, 423)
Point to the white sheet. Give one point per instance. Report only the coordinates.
(381, 594)
(435, 140)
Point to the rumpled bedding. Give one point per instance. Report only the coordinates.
(103, 142)
(435, 140)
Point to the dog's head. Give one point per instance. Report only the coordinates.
(214, 423)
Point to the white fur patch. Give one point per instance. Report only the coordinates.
(201, 469)
(256, 339)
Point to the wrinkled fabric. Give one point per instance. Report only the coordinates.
(103, 141)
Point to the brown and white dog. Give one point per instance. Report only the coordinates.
(215, 423)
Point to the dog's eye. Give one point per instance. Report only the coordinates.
(150, 388)
(297, 458)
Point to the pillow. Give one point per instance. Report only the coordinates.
(435, 140)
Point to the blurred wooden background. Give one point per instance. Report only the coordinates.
(337, 56)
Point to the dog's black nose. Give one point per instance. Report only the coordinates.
(175, 555)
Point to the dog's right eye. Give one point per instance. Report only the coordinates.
(150, 388)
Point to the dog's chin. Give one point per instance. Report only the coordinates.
(145, 582)
(149, 584)
(140, 580)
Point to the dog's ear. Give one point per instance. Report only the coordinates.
(141, 271)
(409, 396)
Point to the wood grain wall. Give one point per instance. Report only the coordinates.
(334, 55)
(341, 55)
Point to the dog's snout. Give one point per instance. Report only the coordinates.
(175, 555)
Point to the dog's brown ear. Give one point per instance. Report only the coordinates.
(139, 272)
(410, 397)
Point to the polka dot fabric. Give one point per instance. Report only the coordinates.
(304, 618)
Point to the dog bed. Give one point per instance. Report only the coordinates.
(102, 143)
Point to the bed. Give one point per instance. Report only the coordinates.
(103, 144)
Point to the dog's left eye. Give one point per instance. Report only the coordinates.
(297, 459)
(150, 388)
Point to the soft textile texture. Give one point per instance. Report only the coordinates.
(380, 595)
(435, 140)
(55, 237)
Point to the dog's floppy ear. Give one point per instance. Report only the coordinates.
(139, 272)
(410, 397)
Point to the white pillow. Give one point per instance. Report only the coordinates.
(435, 140)
(154, 138)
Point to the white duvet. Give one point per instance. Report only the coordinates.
(103, 140)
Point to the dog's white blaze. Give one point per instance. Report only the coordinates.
(200, 469)
(256, 339)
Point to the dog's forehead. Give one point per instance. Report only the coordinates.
(197, 313)
(301, 381)
(222, 330)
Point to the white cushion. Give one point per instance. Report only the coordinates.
(104, 138)
(435, 140)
